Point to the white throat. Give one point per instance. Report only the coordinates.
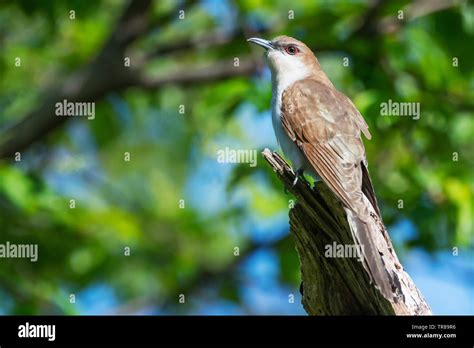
(284, 78)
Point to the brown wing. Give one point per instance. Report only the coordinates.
(326, 126)
(367, 187)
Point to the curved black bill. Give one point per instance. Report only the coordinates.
(261, 42)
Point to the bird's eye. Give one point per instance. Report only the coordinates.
(291, 50)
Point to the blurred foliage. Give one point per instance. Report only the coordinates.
(136, 204)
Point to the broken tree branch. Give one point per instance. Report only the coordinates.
(339, 286)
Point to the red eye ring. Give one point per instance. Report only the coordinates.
(291, 50)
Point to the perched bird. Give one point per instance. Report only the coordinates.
(319, 130)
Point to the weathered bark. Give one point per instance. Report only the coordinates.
(339, 286)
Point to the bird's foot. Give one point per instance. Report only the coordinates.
(298, 173)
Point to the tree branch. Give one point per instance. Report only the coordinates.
(339, 286)
(107, 72)
(218, 71)
(420, 8)
(207, 40)
(104, 74)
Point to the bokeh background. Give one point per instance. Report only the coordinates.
(190, 61)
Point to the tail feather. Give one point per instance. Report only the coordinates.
(362, 233)
(368, 189)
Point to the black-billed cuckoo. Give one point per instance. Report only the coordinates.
(319, 130)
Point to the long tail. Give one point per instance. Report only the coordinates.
(363, 234)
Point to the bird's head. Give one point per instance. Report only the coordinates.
(288, 58)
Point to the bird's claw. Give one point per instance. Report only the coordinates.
(295, 181)
(298, 173)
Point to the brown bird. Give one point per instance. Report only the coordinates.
(319, 130)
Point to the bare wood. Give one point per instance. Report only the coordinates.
(339, 286)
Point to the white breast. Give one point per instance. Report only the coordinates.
(291, 151)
